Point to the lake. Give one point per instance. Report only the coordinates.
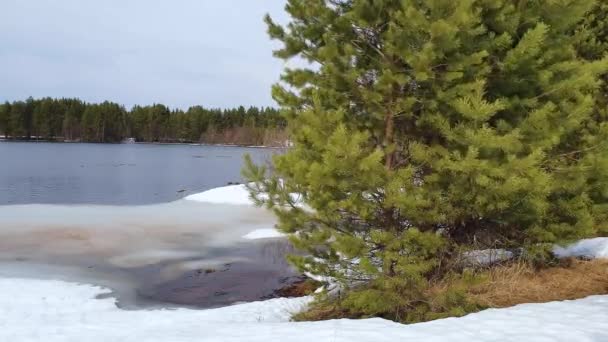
(113, 215)
(115, 174)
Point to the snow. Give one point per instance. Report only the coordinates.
(232, 194)
(486, 257)
(258, 234)
(54, 311)
(235, 195)
(589, 248)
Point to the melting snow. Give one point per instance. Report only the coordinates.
(264, 234)
(235, 195)
(54, 311)
(590, 248)
(232, 194)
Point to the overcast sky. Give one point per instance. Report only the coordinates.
(177, 52)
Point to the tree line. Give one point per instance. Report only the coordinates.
(70, 119)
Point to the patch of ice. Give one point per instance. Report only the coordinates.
(184, 266)
(258, 234)
(232, 194)
(54, 311)
(146, 258)
(590, 248)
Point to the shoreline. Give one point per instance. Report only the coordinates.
(196, 255)
(3, 140)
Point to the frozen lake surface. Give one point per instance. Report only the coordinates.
(90, 215)
(184, 253)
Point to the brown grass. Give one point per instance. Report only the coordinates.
(520, 283)
(322, 311)
(503, 286)
(299, 289)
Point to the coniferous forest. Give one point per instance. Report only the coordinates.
(74, 120)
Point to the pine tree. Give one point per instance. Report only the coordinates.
(423, 127)
(5, 111)
(592, 44)
(17, 120)
(41, 119)
(592, 33)
(88, 127)
(71, 119)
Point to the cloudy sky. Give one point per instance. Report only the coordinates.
(178, 52)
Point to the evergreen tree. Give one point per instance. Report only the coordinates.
(5, 111)
(28, 117)
(41, 124)
(65, 119)
(592, 33)
(56, 116)
(423, 127)
(72, 118)
(88, 129)
(198, 122)
(592, 44)
(17, 120)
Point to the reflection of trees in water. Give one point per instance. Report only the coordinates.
(275, 251)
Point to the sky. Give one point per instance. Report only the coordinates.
(214, 53)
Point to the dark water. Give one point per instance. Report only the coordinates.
(125, 174)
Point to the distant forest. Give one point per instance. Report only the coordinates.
(77, 121)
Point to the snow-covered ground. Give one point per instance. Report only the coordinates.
(232, 194)
(589, 248)
(53, 311)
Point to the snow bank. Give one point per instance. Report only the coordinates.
(53, 311)
(264, 234)
(590, 248)
(232, 194)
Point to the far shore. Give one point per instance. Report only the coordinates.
(2, 139)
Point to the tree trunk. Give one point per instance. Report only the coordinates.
(389, 139)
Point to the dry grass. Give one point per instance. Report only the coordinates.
(502, 286)
(323, 311)
(519, 283)
(299, 288)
